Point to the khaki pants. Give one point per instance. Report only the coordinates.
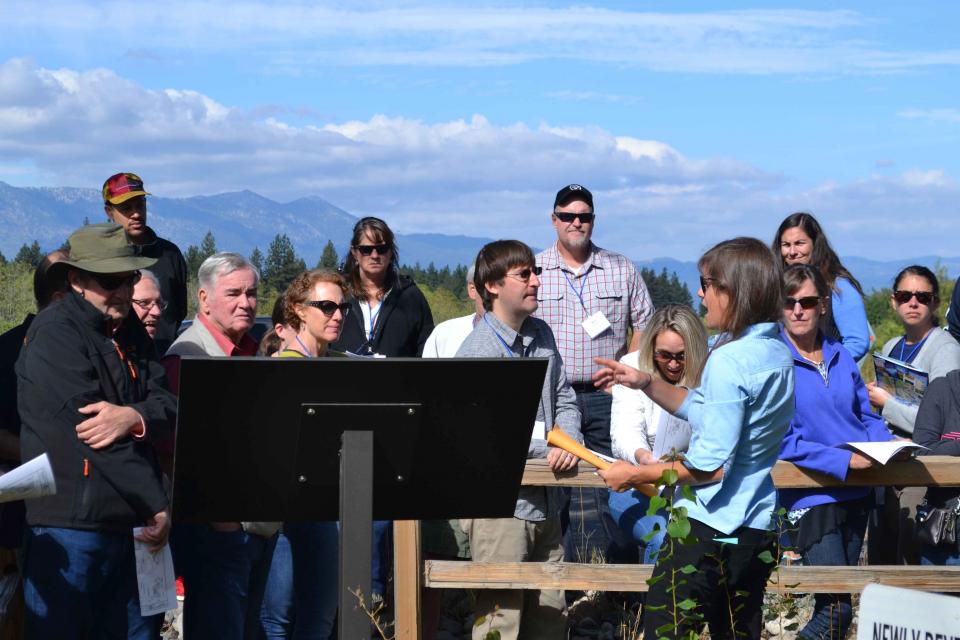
(522, 613)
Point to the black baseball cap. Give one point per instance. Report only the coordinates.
(573, 192)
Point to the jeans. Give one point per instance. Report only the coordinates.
(217, 569)
(949, 556)
(83, 584)
(300, 599)
(382, 548)
(833, 612)
(629, 511)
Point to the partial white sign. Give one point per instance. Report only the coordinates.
(892, 613)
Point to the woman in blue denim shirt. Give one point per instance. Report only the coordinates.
(739, 415)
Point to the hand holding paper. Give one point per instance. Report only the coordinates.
(561, 440)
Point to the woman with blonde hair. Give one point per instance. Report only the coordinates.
(673, 347)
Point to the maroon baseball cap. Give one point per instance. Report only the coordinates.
(121, 187)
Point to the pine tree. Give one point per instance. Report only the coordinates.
(195, 255)
(282, 264)
(3, 259)
(329, 258)
(30, 255)
(256, 259)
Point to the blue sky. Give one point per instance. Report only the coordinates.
(690, 121)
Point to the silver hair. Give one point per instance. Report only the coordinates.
(472, 270)
(221, 264)
(146, 274)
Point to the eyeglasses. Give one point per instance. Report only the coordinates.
(806, 302)
(111, 282)
(146, 304)
(706, 282)
(329, 307)
(368, 249)
(524, 275)
(923, 297)
(663, 357)
(567, 218)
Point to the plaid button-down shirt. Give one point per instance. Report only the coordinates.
(607, 282)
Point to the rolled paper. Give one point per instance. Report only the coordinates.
(557, 438)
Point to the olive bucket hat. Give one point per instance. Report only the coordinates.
(103, 248)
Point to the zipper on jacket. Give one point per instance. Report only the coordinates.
(86, 468)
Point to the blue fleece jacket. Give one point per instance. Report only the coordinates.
(828, 414)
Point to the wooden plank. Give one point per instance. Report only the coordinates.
(408, 579)
(943, 471)
(563, 575)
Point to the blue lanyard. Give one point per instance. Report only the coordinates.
(506, 347)
(306, 351)
(583, 283)
(916, 347)
(373, 318)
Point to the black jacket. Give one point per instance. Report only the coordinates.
(171, 271)
(67, 362)
(403, 324)
(938, 427)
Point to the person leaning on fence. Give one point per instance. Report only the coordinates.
(924, 346)
(216, 560)
(739, 415)
(827, 526)
(92, 397)
(673, 347)
(507, 280)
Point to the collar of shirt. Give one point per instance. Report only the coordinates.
(527, 331)
(246, 347)
(553, 260)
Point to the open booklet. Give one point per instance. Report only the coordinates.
(900, 380)
(882, 452)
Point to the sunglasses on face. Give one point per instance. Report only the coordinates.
(806, 302)
(567, 218)
(664, 357)
(146, 304)
(524, 275)
(705, 283)
(923, 297)
(329, 307)
(368, 249)
(111, 282)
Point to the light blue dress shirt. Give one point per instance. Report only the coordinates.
(740, 414)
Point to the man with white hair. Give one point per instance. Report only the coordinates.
(216, 560)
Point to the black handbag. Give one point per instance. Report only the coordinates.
(937, 526)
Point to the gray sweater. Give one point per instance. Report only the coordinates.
(939, 355)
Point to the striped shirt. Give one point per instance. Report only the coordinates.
(607, 282)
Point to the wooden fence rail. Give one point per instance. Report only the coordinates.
(411, 572)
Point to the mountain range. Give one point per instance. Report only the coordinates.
(243, 220)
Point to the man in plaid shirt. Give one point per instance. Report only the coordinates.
(590, 297)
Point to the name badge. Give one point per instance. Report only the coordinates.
(539, 430)
(596, 324)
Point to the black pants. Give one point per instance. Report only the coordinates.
(728, 585)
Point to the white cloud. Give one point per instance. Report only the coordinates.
(465, 176)
(934, 115)
(295, 37)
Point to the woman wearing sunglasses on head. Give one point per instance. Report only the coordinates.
(300, 595)
(673, 347)
(739, 415)
(93, 397)
(800, 240)
(827, 525)
(915, 298)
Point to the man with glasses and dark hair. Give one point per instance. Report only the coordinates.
(125, 202)
(507, 280)
(591, 298)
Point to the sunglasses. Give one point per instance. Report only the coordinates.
(524, 276)
(111, 282)
(663, 357)
(567, 218)
(146, 304)
(806, 302)
(368, 249)
(705, 283)
(329, 307)
(923, 297)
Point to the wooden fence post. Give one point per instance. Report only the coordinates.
(407, 579)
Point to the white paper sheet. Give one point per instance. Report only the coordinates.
(33, 479)
(156, 581)
(882, 451)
